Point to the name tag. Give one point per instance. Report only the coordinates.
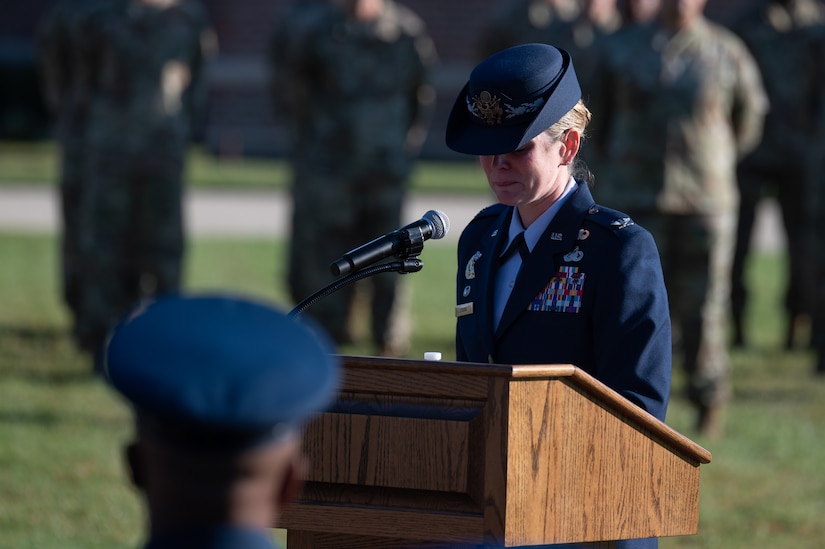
(464, 309)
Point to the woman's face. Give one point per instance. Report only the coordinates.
(533, 177)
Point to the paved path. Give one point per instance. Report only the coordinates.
(266, 214)
(220, 213)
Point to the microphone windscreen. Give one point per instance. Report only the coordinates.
(439, 222)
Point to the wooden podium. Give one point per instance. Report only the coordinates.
(447, 454)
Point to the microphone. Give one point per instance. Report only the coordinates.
(402, 243)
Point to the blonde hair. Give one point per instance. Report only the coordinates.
(577, 119)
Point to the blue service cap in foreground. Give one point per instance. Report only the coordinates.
(219, 372)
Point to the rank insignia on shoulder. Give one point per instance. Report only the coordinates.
(623, 222)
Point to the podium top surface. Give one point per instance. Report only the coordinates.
(567, 373)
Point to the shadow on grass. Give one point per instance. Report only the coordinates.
(43, 354)
(774, 374)
(60, 418)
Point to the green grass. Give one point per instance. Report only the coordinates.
(36, 163)
(62, 483)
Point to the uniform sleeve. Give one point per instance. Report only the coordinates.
(461, 354)
(750, 100)
(632, 327)
(204, 51)
(53, 53)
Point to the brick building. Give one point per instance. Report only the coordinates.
(240, 118)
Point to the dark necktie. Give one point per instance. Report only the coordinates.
(518, 244)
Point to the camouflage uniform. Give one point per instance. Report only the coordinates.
(360, 101)
(66, 85)
(679, 111)
(815, 176)
(144, 60)
(561, 23)
(778, 34)
(526, 21)
(298, 18)
(586, 41)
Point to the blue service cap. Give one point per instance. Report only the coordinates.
(219, 372)
(511, 97)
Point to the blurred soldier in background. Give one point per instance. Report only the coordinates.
(779, 35)
(683, 101)
(67, 88)
(584, 36)
(135, 77)
(640, 12)
(358, 107)
(296, 19)
(580, 28)
(522, 22)
(815, 176)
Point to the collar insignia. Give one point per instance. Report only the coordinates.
(623, 222)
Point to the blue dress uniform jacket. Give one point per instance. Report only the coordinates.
(216, 537)
(590, 294)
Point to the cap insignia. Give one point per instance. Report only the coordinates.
(488, 107)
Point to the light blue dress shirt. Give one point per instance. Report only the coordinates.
(508, 271)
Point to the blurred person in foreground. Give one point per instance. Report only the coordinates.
(358, 109)
(781, 35)
(682, 103)
(127, 76)
(547, 275)
(221, 387)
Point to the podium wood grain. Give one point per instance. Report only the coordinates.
(437, 454)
